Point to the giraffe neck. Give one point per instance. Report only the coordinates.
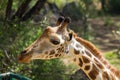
(91, 61)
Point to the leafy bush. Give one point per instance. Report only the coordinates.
(50, 69)
(114, 6)
(108, 21)
(14, 37)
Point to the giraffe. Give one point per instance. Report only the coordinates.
(56, 42)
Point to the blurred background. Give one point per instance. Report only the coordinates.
(22, 22)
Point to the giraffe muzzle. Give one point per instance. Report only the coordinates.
(25, 57)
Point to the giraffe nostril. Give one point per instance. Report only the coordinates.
(23, 52)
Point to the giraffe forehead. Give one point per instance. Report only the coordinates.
(53, 34)
(51, 31)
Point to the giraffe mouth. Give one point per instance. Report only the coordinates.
(25, 58)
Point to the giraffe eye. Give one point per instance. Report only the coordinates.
(55, 42)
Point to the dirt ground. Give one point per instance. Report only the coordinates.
(106, 33)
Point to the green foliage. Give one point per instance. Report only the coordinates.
(114, 6)
(113, 59)
(108, 21)
(110, 55)
(74, 10)
(2, 9)
(49, 69)
(111, 6)
(14, 37)
(77, 9)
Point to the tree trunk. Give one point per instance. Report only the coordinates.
(53, 7)
(85, 28)
(21, 10)
(105, 5)
(8, 9)
(38, 6)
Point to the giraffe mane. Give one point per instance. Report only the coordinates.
(96, 53)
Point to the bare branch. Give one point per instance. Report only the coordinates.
(5, 64)
(7, 56)
(8, 9)
(37, 7)
(53, 7)
(21, 10)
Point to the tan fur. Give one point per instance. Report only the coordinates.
(96, 53)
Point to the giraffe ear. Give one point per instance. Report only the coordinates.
(70, 36)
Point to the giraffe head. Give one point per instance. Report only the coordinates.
(51, 44)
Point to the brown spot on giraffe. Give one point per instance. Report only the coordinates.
(88, 53)
(62, 49)
(111, 77)
(59, 50)
(94, 72)
(85, 59)
(56, 55)
(46, 57)
(59, 54)
(98, 63)
(76, 52)
(87, 67)
(52, 52)
(80, 62)
(74, 59)
(105, 76)
(46, 52)
(50, 56)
